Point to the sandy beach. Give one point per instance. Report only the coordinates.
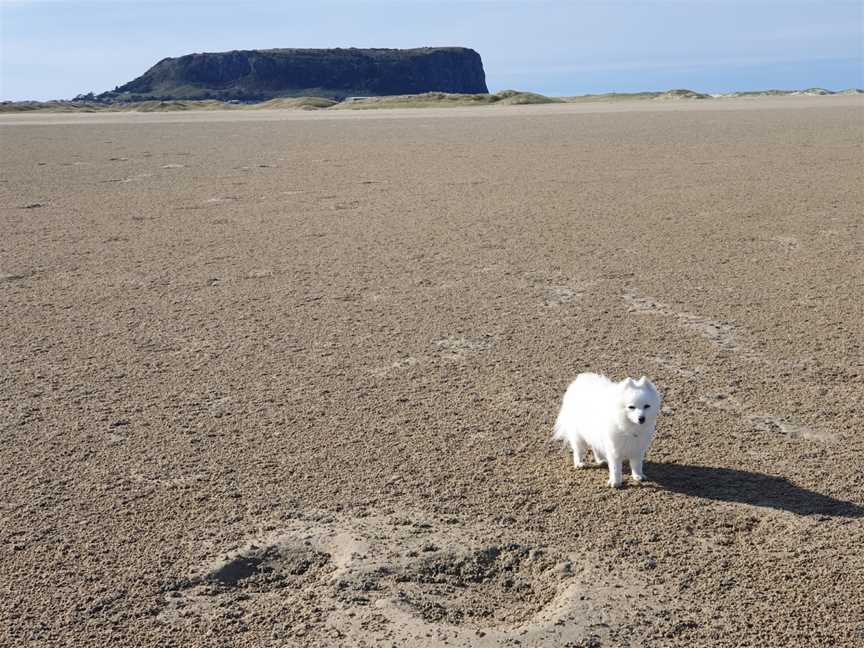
(283, 378)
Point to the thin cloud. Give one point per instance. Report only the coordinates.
(670, 64)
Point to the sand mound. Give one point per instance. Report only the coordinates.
(397, 579)
(461, 585)
(266, 566)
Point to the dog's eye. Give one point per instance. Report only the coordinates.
(647, 406)
(631, 407)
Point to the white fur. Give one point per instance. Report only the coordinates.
(604, 416)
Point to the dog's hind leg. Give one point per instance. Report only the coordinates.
(580, 448)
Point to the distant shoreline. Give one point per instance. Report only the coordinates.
(190, 115)
(425, 100)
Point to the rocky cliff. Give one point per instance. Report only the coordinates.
(255, 75)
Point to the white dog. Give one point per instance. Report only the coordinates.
(615, 420)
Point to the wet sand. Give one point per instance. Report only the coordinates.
(288, 379)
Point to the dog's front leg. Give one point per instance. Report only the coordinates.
(615, 471)
(636, 469)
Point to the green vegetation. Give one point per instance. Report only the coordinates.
(759, 93)
(294, 103)
(445, 99)
(681, 93)
(289, 103)
(519, 98)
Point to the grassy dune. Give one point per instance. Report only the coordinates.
(288, 103)
(425, 100)
(444, 99)
(681, 93)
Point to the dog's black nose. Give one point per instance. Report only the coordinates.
(641, 419)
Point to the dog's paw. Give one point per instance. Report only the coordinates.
(579, 465)
(638, 478)
(614, 484)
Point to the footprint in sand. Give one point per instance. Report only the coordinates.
(557, 292)
(785, 427)
(728, 403)
(668, 362)
(451, 348)
(723, 402)
(220, 200)
(17, 276)
(789, 243)
(350, 205)
(401, 364)
(721, 334)
(140, 176)
(459, 348)
(558, 295)
(762, 422)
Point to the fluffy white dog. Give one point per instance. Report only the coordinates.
(615, 420)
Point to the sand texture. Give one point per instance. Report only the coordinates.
(287, 379)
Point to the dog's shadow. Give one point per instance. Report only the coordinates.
(745, 487)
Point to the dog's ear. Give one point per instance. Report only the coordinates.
(641, 381)
(627, 382)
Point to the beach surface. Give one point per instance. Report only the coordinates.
(277, 378)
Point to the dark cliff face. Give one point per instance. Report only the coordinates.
(264, 74)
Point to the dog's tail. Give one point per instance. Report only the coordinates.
(558, 431)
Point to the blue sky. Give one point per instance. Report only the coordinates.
(53, 49)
